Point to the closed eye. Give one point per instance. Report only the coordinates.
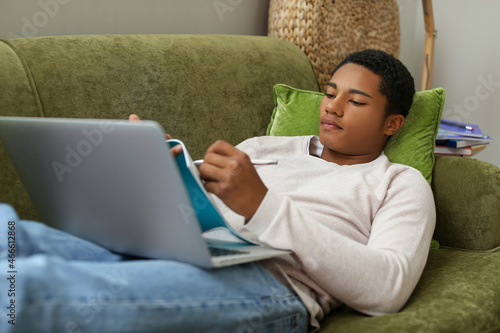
(358, 103)
(330, 95)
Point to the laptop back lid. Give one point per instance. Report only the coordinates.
(112, 182)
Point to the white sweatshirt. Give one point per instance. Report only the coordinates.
(359, 234)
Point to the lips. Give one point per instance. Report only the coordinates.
(331, 124)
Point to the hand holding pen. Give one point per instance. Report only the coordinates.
(230, 175)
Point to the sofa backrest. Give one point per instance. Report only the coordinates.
(200, 88)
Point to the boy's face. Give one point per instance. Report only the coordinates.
(353, 123)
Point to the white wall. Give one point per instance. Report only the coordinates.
(29, 18)
(466, 60)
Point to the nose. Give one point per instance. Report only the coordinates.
(334, 106)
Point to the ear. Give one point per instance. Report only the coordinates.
(393, 123)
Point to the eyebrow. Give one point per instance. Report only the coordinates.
(351, 91)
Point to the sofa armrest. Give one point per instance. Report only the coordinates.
(467, 195)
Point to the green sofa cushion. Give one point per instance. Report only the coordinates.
(459, 285)
(296, 112)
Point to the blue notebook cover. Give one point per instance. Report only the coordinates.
(207, 213)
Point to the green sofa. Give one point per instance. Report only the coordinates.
(206, 87)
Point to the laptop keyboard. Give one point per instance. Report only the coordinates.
(217, 251)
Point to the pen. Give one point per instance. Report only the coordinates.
(467, 127)
(254, 162)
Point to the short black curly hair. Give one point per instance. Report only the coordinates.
(396, 82)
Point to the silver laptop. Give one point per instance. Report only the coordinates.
(116, 183)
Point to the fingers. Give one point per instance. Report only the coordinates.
(176, 150)
(223, 162)
(134, 117)
(221, 153)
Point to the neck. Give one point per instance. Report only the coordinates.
(343, 159)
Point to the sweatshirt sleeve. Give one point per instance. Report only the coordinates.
(374, 278)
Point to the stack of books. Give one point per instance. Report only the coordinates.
(460, 139)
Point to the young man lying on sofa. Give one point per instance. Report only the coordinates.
(358, 226)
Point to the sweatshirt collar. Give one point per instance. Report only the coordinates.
(314, 146)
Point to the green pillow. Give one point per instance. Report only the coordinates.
(296, 112)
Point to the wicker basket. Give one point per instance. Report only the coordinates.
(328, 30)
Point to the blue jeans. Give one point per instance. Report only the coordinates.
(54, 282)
